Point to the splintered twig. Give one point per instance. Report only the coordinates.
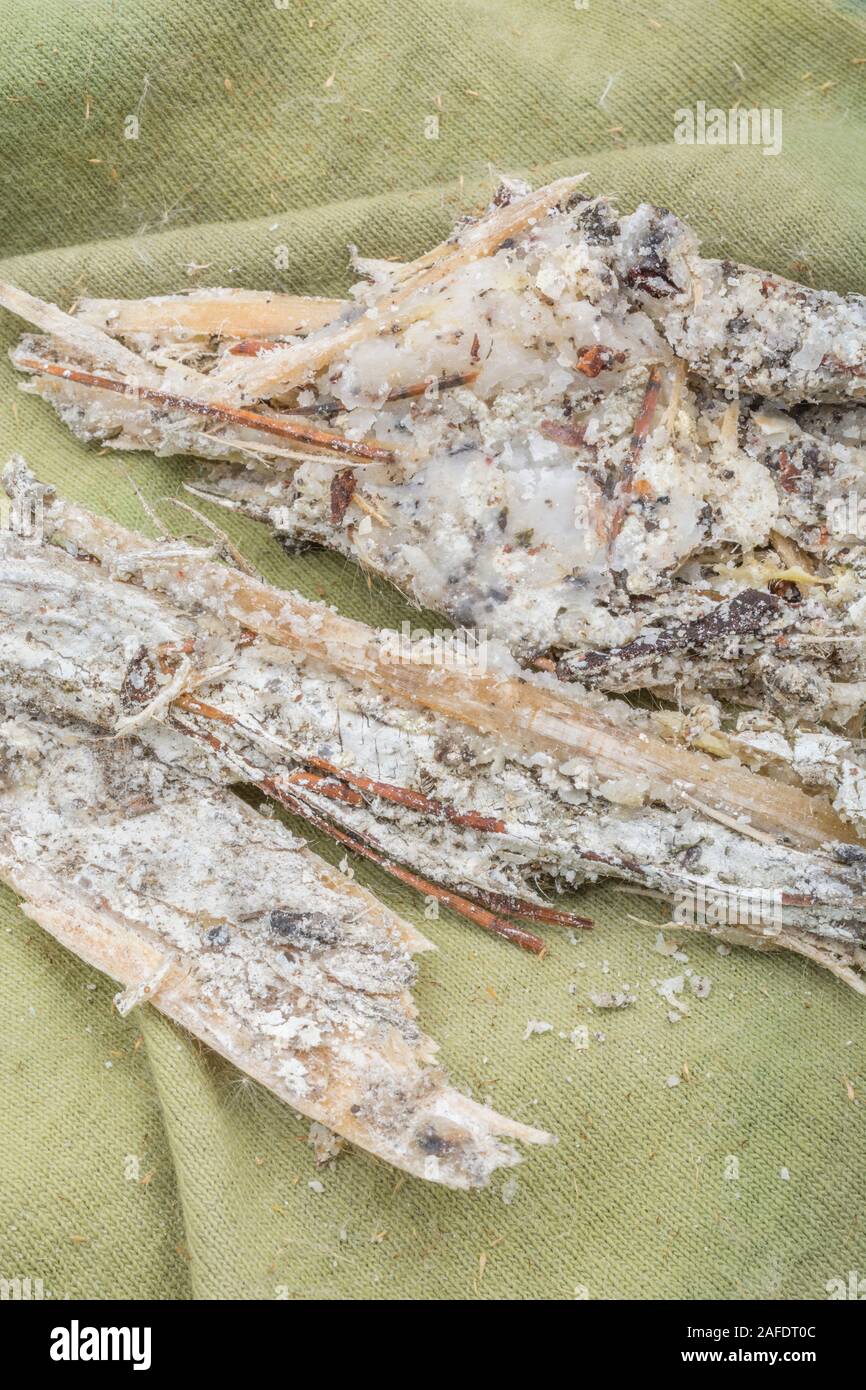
(331, 1027)
(212, 314)
(349, 795)
(282, 425)
(486, 235)
(545, 837)
(517, 710)
(296, 803)
(331, 783)
(80, 337)
(338, 784)
(280, 371)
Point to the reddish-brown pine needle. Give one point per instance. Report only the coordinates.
(297, 431)
(414, 801)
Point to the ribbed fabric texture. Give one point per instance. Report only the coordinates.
(134, 1163)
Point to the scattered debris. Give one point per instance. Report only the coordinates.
(508, 1191)
(620, 1000)
(671, 990)
(669, 948)
(326, 1145)
(536, 1026)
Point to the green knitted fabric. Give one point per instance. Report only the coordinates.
(272, 134)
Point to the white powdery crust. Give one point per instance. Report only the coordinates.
(566, 472)
(230, 926)
(87, 647)
(223, 919)
(743, 330)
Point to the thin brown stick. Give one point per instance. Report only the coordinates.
(326, 786)
(403, 393)
(194, 705)
(342, 786)
(443, 383)
(416, 801)
(455, 901)
(533, 912)
(297, 804)
(412, 800)
(283, 426)
(497, 902)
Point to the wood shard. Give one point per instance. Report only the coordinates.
(211, 313)
(605, 458)
(264, 717)
(284, 426)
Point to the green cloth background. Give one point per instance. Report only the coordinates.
(301, 125)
